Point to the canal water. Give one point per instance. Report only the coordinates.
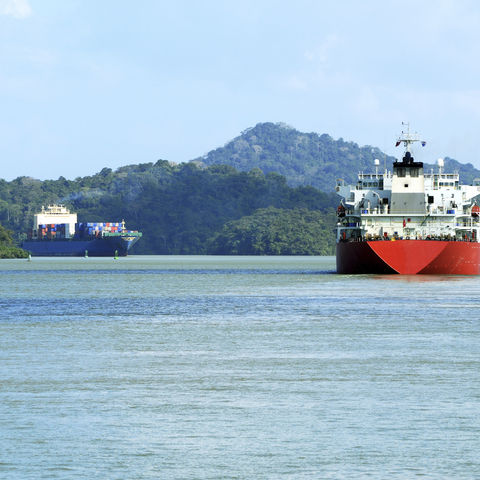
(195, 367)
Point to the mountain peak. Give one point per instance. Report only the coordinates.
(303, 158)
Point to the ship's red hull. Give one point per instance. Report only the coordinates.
(409, 257)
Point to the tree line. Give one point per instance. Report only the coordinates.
(185, 208)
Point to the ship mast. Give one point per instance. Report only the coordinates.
(408, 138)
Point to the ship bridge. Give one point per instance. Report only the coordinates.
(55, 215)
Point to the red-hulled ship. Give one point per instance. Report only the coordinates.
(408, 221)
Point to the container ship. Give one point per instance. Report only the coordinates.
(56, 232)
(408, 221)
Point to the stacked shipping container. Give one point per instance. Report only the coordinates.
(96, 228)
(82, 230)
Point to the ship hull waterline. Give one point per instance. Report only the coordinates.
(96, 247)
(409, 257)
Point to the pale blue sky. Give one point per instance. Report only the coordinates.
(87, 84)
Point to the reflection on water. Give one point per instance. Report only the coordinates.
(425, 278)
(235, 367)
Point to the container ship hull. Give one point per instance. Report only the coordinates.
(56, 233)
(94, 247)
(409, 257)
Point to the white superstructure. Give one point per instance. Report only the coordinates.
(408, 203)
(55, 215)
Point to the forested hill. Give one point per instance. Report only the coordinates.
(303, 158)
(308, 158)
(179, 208)
(236, 199)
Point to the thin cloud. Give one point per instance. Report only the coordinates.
(15, 8)
(320, 53)
(295, 82)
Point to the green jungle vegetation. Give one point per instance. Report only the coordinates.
(274, 231)
(7, 248)
(179, 208)
(310, 158)
(268, 191)
(302, 158)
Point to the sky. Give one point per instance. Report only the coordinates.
(88, 84)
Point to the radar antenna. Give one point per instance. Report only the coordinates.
(408, 138)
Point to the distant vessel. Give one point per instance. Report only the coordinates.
(56, 232)
(408, 221)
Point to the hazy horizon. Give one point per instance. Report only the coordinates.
(88, 85)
